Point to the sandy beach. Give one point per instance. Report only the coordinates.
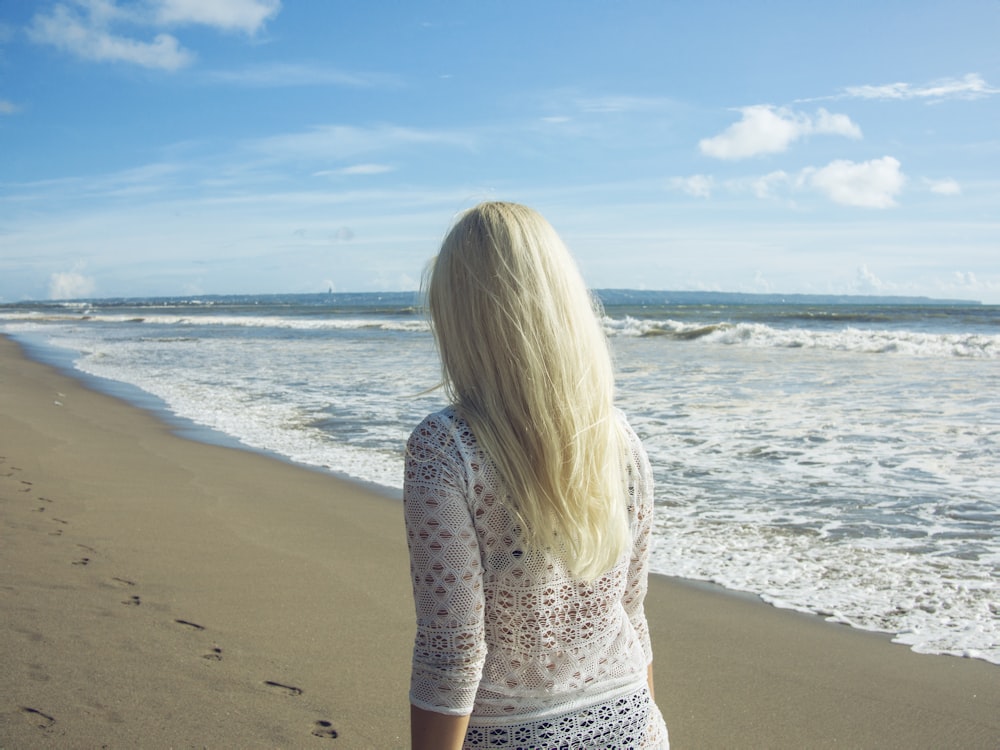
(159, 592)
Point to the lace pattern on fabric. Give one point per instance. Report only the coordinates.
(631, 722)
(555, 643)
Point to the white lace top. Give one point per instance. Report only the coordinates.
(502, 634)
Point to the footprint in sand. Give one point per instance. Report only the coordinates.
(325, 730)
(287, 689)
(39, 718)
(214, 655)
(132, 601)
(82, 561)
(123, 581)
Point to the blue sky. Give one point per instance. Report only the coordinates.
(170, 147)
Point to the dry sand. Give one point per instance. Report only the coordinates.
(158, 592)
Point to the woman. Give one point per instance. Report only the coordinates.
(528, 508)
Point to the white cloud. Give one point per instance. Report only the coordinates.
(229, 15)
(698, 185)
(761, 284)
(765, 129)
(971, 86)
(966, 285)
(869, 184)
(8, 108)
(866, 281)
(70, 285)
(87, 28)
(830, 123)
(946, 186)
(763, 186)
(90, 39)
(762, 130)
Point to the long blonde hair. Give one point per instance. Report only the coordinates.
(527, 365)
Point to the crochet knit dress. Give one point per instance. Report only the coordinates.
(539, 658)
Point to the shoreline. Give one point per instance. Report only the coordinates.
(61, 360)
(162, 592)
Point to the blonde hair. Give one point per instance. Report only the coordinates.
(527, 365)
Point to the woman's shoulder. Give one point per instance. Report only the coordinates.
(442, 427)
(626, 426)
(634, 442)
(442, 419)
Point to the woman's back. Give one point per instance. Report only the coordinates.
(551, 643)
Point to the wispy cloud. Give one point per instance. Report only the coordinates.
(698, 185)
(623, 103)
(155, 178)
(946, 186)
(298, 74)
(248, 16)
(8, 107)
(571, 105)
(764, 186)
(148, 178)
(356, 169)
(971, 86)
(346, 141)
(93, 29)
(764, 129)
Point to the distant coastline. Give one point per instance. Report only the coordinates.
(643, 297)
(608, 297)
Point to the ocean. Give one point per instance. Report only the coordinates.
(832, 456)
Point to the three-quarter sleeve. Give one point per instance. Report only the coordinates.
(641, 492)
(446, 570)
